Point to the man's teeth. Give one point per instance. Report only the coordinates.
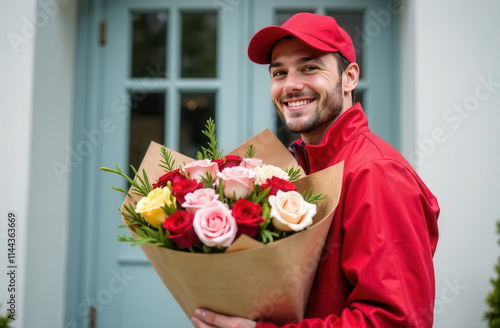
(299, 103)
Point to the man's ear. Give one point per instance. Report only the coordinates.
(350, 77)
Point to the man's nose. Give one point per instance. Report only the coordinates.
(293, 82)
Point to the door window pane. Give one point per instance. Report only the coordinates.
(352, 23)
(283, 15)
(199, 44)
(149, 44)
(196, 109)
(147, 123)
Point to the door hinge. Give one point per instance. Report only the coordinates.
(102, 33)
(92, 317)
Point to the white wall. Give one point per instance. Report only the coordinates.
(16, 101)
(36, 87)
(52, 123)
(457, 151)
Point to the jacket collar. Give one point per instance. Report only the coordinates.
(313, 158)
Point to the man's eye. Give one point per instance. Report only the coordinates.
(310, 68)
(278, 73)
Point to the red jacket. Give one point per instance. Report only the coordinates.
(376, 269)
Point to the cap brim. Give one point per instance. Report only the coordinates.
(261, 44)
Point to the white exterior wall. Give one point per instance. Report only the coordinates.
(16, 101)
(448, 48)
(456, 146)
(36, 86)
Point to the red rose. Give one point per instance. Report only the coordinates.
(172, 176)
(247, 215)
(180, 226)
(277, 184)
(231, 160)
(219, 162)
(182, 188)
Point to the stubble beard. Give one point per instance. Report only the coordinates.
(333, 103)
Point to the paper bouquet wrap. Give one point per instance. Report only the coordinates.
(268, 282)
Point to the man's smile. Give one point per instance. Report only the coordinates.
(298, 104)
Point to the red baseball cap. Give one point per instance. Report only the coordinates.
(320, 32)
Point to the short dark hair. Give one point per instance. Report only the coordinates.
(342, 64)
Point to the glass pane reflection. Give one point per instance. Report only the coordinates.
(199, 44)
(147, 123)
(196, 109)
(149, 44)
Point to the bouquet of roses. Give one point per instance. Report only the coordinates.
(205, 205)
(262, 225)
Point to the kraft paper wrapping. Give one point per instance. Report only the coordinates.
(261, 282)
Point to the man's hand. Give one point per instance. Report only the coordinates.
(206, 319)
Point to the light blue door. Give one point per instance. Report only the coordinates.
(161, 69)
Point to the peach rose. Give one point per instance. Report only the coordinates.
(198, 169)
(199, 198)
(251, 163)
(290, 212)
(215, 225)
(265, 172)
(238, 182)
(150, 207)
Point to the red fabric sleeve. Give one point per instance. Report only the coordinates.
(390, 234)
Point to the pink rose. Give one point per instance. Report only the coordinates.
(251, 163)
(215, 225)
(238, 182)
(198, 199)
(198, 169)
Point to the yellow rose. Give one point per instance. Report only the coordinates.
(150, 207)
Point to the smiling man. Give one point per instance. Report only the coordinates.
(377, 269)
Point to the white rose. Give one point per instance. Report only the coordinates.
(290, 212)
(265, 172)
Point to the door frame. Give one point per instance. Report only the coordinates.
(88, 79)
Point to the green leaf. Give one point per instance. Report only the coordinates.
(167, 162)
(293, 173)
(207, 180)
(140, 189)
(313, 199)
(250, 152)
(211, 152)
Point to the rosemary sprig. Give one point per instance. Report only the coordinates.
(167, 162)
(313, 199)
(211, 152)
(141, 189)
(250, 152)
(293, 173)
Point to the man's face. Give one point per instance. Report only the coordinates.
(305, 86)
